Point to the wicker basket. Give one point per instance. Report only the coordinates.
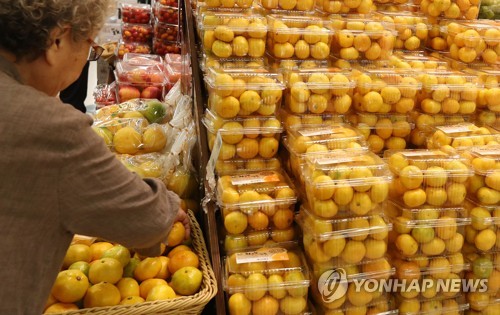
(188, 305)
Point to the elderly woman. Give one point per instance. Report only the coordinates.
(57, 176)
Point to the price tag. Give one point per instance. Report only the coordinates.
(263, 255)
(455, 128)
(257, 178)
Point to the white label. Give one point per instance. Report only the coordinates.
(455, 128)
(340, 160)
(262, 255)
(423, 153)
(261, 177)
(487, 151)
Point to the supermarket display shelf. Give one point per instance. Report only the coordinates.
(208, 219)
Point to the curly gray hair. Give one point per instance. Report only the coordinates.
(26, 25)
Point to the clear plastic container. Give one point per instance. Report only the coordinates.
(451, 266)
(428, 178)
(448, 92)
(291, 120)
(343, 242)
(132, 72)
(288, 7)
(456, 9)
(224, 167)
(462, 136)
(166, 13)
(170, 3)
(135, 13)
(258, 238)
(386, 91)
(142, 59)
(148, 165)
(137, 33)
(485, 162)
(484, 305)
(427, 231)
(418, 62)
(484, 266)
(173, 59)
(345, 7)
(244, 137)
(140, 48)
(362, 38)
(489, 97)
(438, 305)
(474, 41)
(134, 81)
(412, 29)
(243, 92)
(384, 131)
(287, 66)
(132, 135)
(166, 32)
(346, 183)
(211, 61)
(318, 91)
(424, 123)
(299, 37)
(272, 279)
(228, 5)
(353, 301)
(233, 34)
(256, 201)
(489, 118)
(162, 47)
(153, 111)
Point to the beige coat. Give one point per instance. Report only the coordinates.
(57, 179)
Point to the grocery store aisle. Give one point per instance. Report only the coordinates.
(92, 82)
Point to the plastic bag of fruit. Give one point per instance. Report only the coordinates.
(153, 111)
(174, 95)
(183, 114)
(133, 135)
(146, 165)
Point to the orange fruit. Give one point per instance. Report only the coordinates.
(163, 273)
(178, 249)
(258, 220)
(147, 285)
(105, 270)
(70, 286)
(147, 268)
(102, 294)
(183, 259)
(161, 292)
(60, 308)
(132, 300)
(176, 235)
(187, 280)
(128, 287)
(97, 249)
(283, 218)
(76, 252)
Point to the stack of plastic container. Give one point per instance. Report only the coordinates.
(136, 29)
(482, 243)
(345, 231)
(167, 25)
(427, 210)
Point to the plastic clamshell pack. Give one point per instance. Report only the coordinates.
(211, 61)
(227, 34)
(424, 121)
(384, 131)
(474, 41)
(318, 91)
(162, 47)
(380, 303)
(173, 59)
(362, 39)
(428, 177)
(255, 239)
(127, 47)
(488, 77)
(294, 7)
(386, 91)
(483, 159)
(224, 167)
(307, 139)
(455, 11)
(484, 228)
(137, 33)
(130, 71)
(243, 92)
(292, 120)
(404, 60)
(485, 117)
(232, 5)
(299, 37)
(412, 29)
(438, 305)
(166, 31)
(142, 59)
(344, 7)
(135, 13)
(436, 267)
(448, 92)
(145, 165)
(427, 231)
(288, 65)
(347, 183)
(483, 265)
(261, 269)
(483, 185)
(253, 186)
(165, 13)
(462, 135)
